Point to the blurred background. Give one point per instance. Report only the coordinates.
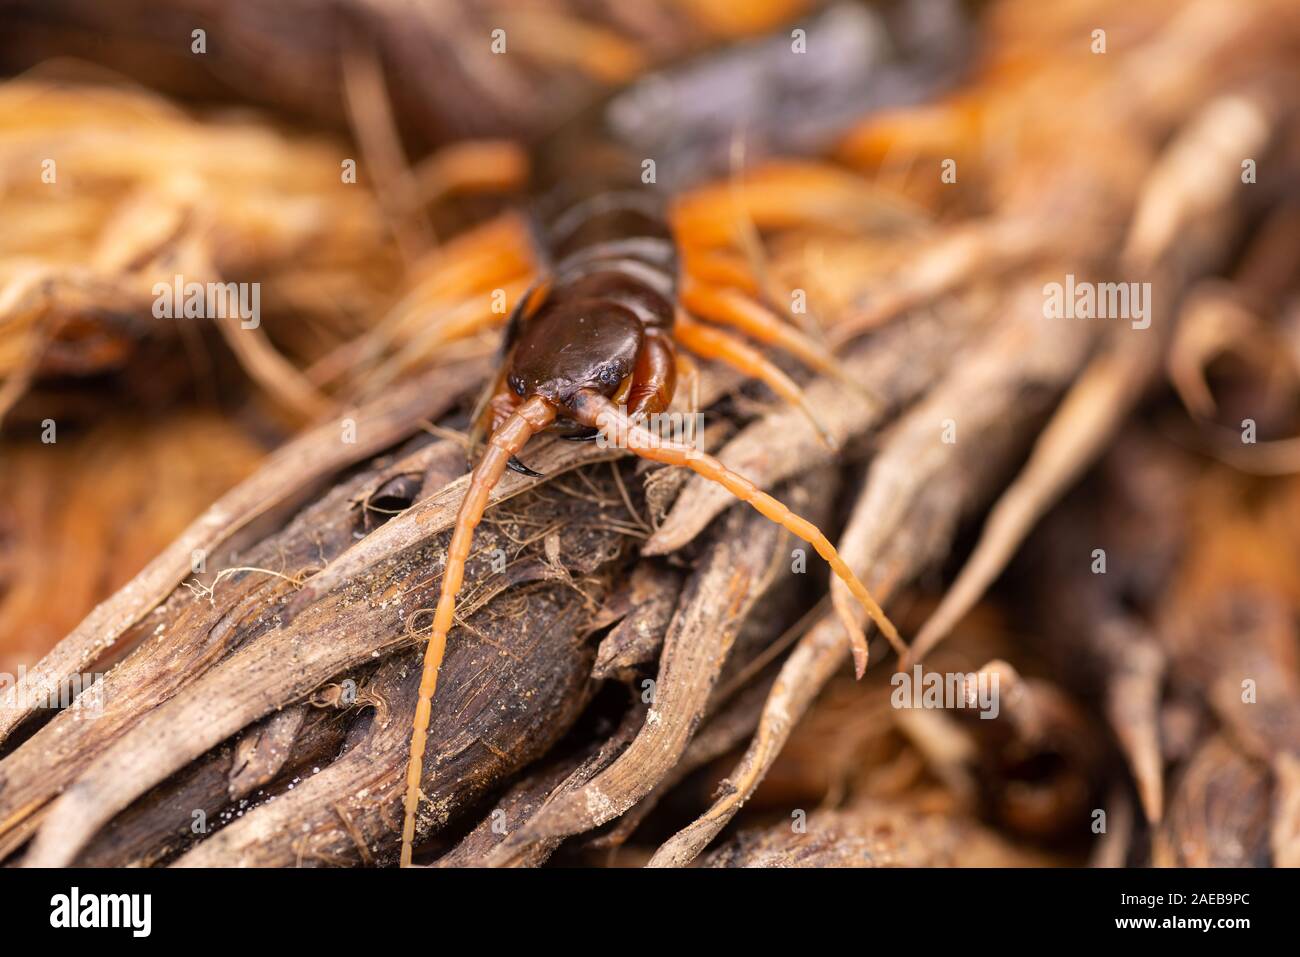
(368, 166)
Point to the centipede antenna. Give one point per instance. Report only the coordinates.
(593, 409)
(529, 418)
(711, 343)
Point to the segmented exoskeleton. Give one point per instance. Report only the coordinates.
(593, 348)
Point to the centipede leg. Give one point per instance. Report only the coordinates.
(593, 409)
(784, 195)
(710, 343)
(655, 378)
(731, 307)
(481, 259)
(463, 320)
(528, 419)
(473, 166)
(715, 267)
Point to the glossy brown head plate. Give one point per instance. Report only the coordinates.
(581, 344)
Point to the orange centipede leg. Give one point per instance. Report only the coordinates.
(596, 411)
(655, 378)
(527, 420)
(786, 195)
(423, 343)
(730, 307)
(710, 343)
(477, 260)
(473, 166)
(716, 267)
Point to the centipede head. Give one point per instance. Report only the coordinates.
(586, 344)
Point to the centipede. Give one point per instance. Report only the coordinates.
(601, 340)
